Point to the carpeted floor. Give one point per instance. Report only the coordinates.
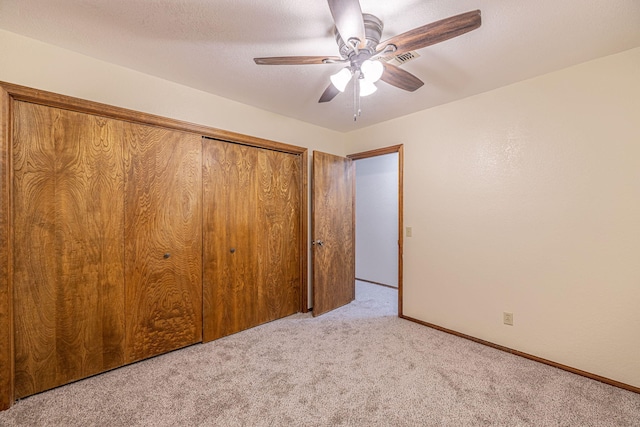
(359, 365)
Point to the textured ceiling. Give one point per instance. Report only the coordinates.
(210, 45)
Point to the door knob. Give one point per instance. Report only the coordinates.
(318, 242)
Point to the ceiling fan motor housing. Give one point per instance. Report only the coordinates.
(373, 32)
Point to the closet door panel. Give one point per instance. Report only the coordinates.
(68, 253)
(251, 238)
(34, 265)
(230, 239)
(278, 225)
(163, 240)
(90, 215)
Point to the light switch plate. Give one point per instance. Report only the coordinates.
(507, 318)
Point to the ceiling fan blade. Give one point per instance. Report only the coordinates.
(297, 60)
(398, 77)
(347, 16)
(329, 93)
(433, 33)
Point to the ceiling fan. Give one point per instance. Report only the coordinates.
(358, 38)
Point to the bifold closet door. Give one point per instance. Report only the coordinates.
(68, 246)
(230, 239)
(251, 236)
(163, 240)
(279, 248)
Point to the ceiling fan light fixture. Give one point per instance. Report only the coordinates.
(366, 87)
(372, 70)
(341, 79)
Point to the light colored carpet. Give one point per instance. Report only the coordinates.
(359, 365)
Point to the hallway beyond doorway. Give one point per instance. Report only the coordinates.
(384, 299)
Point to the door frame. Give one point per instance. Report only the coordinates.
(381, 152)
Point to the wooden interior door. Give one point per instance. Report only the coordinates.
(68, 252)
(333, 232)
(251, 236)
(163, 240)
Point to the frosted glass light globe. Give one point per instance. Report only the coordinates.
(367, 87)
(372, 70)
(341, 79)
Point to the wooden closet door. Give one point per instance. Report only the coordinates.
(163, 240)
(68, 254)
(278, 228)
(251, 236)
(230, 238)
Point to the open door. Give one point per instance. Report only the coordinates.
(333, 232)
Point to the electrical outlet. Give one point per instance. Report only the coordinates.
(507, 318)
(409, 231)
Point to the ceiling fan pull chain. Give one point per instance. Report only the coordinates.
(356, 95)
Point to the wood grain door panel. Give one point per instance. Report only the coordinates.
(333, 223)
(252, 236)
(163, 240)
(278, 223)
(230, 240)
(68, 252)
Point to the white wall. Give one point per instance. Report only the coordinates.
(377, 219)
(527, 199)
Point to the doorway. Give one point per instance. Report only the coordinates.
(378, 217)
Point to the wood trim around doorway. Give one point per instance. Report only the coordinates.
(381, 152)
